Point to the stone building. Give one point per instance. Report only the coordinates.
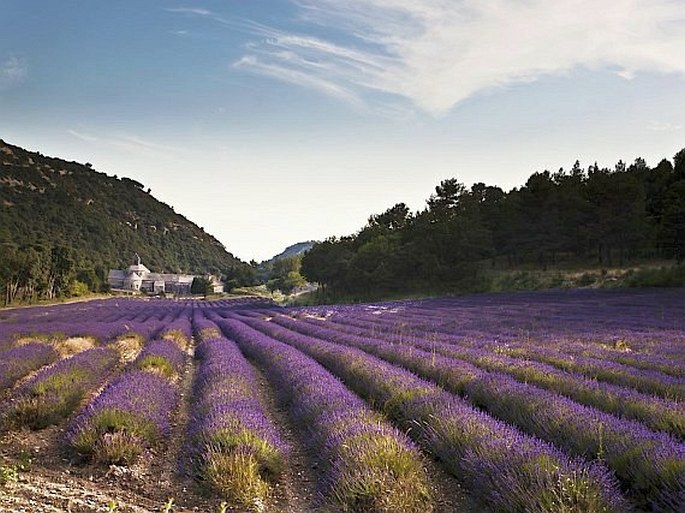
(138, 278)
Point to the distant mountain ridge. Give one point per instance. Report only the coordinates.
(104, 220)
(297, 249)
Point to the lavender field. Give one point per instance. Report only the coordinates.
(556, 401)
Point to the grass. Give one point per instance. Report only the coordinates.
(8, 474)
(207, 333)
(489, 279)
(72, 345)
(115, 437)
(237, 476)
(239, 465)
(158, 364)
(392, 479)
(49, 401)
(129, 345)
(176, 336)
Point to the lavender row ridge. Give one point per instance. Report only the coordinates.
(469, 443)
(368, 465)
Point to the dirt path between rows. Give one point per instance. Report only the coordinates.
(296, 490)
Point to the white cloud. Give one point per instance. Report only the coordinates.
(190, 10)
(12, 71)
(125, 142)
(199, 12)
(295, 76)
(437, 53)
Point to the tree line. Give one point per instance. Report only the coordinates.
(598, 216)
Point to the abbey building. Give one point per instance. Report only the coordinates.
(138, 278)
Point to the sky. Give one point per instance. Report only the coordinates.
(269, 122)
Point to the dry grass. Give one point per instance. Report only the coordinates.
(129, 347)
(209, 333)
(73, 345)
(21, 341)
(236, 476)
(178, 337)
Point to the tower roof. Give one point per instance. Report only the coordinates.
(138, 268)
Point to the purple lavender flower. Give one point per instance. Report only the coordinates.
(130, 414)
(655, 412)
(163, 356)
(455, 432)
(54, 393)
(235, 448)
(652, 464)
(19, 361)
(367, 462)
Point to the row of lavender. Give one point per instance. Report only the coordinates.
(235, 446)
(439, 340)
(231, 435)
(656, 412)
(545, 340)
(367, 464)
(660, 374)
(131, 413)
(103, 319)
(651, 464)
(53, 383)
(538, 477)
(505, 469)
(34, 342)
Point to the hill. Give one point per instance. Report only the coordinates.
(297, 249)
(274, 272)
(55, 213)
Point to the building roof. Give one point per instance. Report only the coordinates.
(179, 278)
(138, 269)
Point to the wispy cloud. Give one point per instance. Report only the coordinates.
(296, 76)
(12, 71)
(121, 142)
(199, 12)
(661, 126)
(190, 10)
(436, 53)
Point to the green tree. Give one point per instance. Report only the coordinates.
(328, 262)
(285, 275)
(61, 271)
(201, 285)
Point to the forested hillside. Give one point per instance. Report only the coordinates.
(64, 225)
(597, 216)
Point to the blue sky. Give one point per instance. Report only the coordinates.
(271, 122)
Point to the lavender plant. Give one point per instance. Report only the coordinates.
(19, 361)
(161, 356)
(651, 464)
(180, 330)
(235, 448)
(131, 414)
(531, 475)
(54, 393)
(369, 465)
(655, 412)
